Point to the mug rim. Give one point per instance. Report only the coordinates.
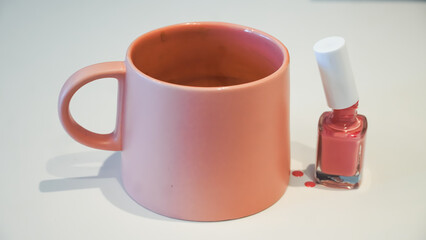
(283, 67)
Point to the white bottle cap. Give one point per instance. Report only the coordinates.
(336, 72)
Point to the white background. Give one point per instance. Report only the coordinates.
(54, 188)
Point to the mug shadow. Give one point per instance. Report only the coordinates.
(82, 171)
(78, 171)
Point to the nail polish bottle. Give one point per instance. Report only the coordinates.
(341, 132)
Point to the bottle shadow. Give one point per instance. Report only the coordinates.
(81, 171)
(305, 157)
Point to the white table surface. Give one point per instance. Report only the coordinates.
(51, 187)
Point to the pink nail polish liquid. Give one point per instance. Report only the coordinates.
(341, 141)
(341, 132)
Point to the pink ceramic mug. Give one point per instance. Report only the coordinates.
(203, 120)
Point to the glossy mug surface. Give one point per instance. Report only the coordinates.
(203, 120)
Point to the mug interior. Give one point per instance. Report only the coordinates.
(206, 55)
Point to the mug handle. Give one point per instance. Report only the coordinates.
(111, 141)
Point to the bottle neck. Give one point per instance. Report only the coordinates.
(345, 116)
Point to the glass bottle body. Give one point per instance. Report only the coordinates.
(341, 144)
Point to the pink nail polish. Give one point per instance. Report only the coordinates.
(341, 132)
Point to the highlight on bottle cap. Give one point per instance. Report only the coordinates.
(336, 73)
